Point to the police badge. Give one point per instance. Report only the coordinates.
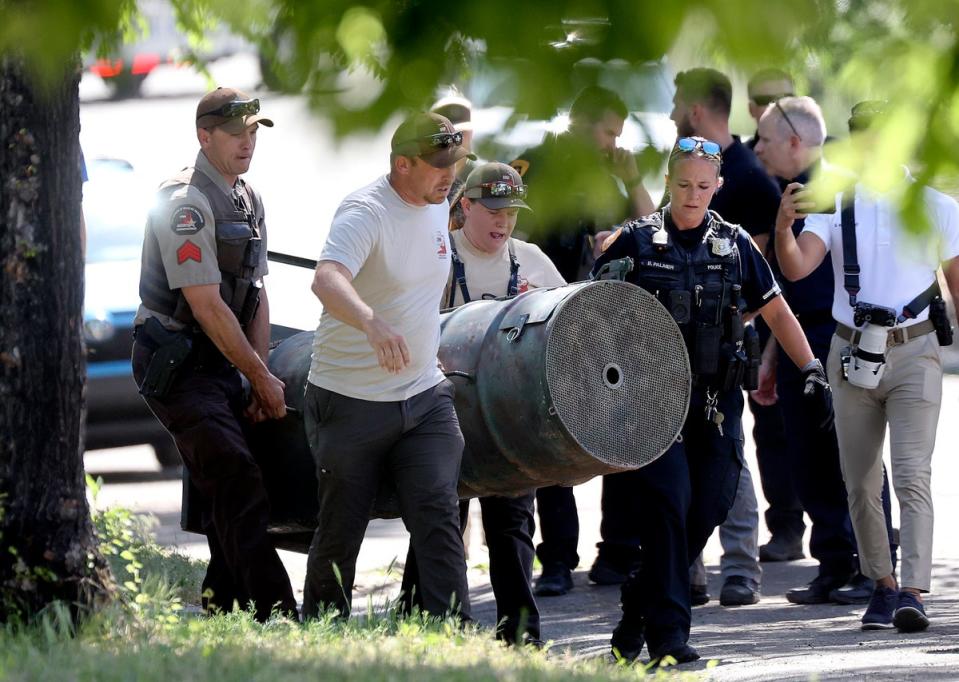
(720, 246)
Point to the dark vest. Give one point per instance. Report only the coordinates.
(701, 287)
(238, 219)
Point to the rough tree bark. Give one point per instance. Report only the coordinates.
(48, 549)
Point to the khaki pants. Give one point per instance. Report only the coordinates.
(908, 399)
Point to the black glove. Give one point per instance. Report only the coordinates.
(818, 395)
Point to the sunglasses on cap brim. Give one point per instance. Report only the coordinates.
(495, 190)
(235, 109)
(691, 144)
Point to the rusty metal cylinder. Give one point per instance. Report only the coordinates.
(557, 386)
(554, 386)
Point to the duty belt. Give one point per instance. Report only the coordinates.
(897, 335)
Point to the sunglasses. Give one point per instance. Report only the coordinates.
(496, 190)
(235, 109)
(444, 139)
(786, 117)
(691, 144)
(765, 100)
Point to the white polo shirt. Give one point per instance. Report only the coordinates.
(896, 266)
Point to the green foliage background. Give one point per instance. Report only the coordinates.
(842, 51)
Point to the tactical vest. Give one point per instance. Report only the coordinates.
(702, 289)
(238, 218)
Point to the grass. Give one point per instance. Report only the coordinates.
(149, 635)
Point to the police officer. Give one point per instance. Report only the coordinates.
(489, 263)
(204, 321)
(709, 274)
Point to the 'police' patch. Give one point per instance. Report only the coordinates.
(188, 251)
(187, 220)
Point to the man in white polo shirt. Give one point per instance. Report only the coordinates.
(377, 404)
(886, 298)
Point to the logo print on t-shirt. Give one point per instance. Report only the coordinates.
(187, 220)
(441, 251)
(522, 286)
(188, 251)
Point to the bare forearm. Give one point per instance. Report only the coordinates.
(258, 331)
(789, 255)
(339, 298)
(220, 324)
(785, 327)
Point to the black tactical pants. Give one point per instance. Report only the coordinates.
(204, 412)
(508, 525)
(678, 501)
(356, 443)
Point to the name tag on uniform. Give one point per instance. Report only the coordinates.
(657, 264)
(720, 246)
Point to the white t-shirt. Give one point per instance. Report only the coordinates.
(399, 257)
(487, 275)
(895, 265)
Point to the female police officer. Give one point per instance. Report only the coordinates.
(489, 263)
(709, 275)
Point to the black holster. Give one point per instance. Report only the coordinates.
(170, 353)
(940, 320)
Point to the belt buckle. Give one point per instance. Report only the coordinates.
(897, 336)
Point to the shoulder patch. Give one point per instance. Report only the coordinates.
(186, 220)
(611, 238)
(521, 166)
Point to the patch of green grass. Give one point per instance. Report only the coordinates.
(146, 635)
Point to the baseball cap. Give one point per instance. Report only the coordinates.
(865, 113)
(230, 109)
(431, 137)
(457, 109)
(496, 185)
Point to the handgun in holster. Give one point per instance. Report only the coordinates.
(940, 321)
(171, 350)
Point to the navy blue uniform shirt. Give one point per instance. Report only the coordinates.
(759, 285)
(748, 197)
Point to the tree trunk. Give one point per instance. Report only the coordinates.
(48, 549)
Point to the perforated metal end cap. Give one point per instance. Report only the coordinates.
(618, 373)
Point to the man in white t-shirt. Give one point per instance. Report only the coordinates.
(489, 263)
(377, 403)
(893, 270)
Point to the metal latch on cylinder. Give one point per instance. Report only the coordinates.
(517, 331)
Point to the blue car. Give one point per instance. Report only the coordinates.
(115, 206)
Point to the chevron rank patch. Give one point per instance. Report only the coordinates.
(188, 251)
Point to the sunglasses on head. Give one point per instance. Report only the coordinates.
(765, 100)
(691, 144)
(496, 190)
(235, 109)
(786, 117)
(444, 139)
